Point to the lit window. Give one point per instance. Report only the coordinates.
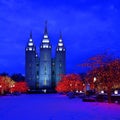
(30, 44)
(30, 49)
(45, 82)
(45, 36)
(60, 49)
(60, 44)
(30, 40)
(60, 40)
(60, 65)
(45, 41)
(45, 46)
(37, 76)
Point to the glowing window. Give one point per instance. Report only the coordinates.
(60, 40)
(45, 46)
(45, 41)
(30, 40)
(60, 65)
(60, 49)
(37, 76)
(45, 82)
(60, 44)
(45, 36)
(30, 44)
(30, 49)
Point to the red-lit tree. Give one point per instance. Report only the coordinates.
(71, 82)
(106, 71)
(20, 87)
(5, 84)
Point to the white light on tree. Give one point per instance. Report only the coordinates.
(94, 79)
(102, 92)
(80, 91)
(116, 92)
(76, 91)
(0, 86)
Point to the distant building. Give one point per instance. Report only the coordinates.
(43, 71)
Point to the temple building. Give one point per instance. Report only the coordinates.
(42, 71)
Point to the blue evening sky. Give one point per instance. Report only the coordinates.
(88, 27)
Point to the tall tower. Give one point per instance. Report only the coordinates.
(60, 59)
(45, 61)
(30, 63)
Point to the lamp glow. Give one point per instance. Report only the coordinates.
(102, 92)
(116, 92)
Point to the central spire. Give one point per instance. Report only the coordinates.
(45, 42)
(45, 32)
(31, 34)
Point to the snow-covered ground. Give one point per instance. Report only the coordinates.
(55, 107)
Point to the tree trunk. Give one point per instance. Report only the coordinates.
(2, 91)
(109, 95)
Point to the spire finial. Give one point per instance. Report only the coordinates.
(60, 35)
(31, 34)
(45, 32)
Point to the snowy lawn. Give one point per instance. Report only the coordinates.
(55, 107)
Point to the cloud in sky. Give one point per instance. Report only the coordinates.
(88, 27)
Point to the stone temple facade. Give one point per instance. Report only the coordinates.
(42, 71)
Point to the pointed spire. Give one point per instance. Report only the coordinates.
(60, 39)
(31, 34)
(60, 35)
(45, 32)
(60, 46)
